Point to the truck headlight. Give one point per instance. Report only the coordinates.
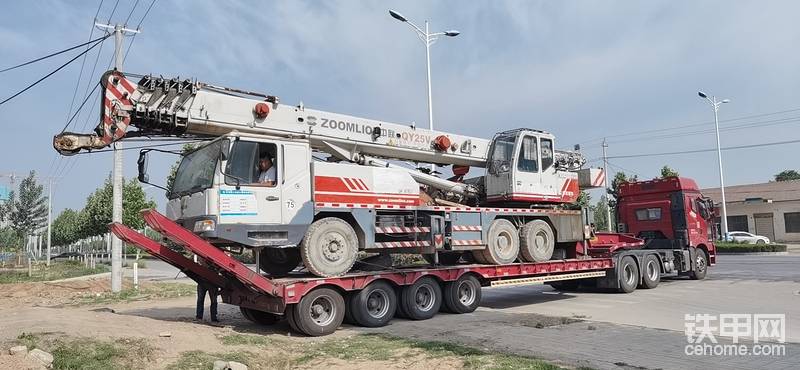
(204, 225)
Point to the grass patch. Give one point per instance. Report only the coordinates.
(249, 340)
(147, 292)
(89, 353)
(56, 271)
(727, 247)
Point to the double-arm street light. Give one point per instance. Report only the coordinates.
(715, 104)
(428, 39)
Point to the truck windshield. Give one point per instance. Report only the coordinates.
(502, 153)
(196, 171)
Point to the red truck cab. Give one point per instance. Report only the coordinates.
(668, 213)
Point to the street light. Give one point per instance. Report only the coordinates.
(428, 39)
(715, 104)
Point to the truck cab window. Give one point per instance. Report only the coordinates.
(252, 163)
(547, 153)
(528, 155)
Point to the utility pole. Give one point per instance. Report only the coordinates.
(116, 213)
(49, 217)
(605, 185)
(715, 104)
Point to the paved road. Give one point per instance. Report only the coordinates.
(641, 330)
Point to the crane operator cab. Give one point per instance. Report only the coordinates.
(524, 168)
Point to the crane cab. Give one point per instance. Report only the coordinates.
(521, 168)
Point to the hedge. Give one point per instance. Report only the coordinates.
(724, 247)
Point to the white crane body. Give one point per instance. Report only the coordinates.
(220, 193)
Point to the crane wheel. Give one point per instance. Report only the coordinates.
(329, 247)
(279, 261)
(537, 241)
(503, 248)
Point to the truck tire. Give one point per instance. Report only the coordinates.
(259, 317)
(651, 275)
(329, 247)
(462, 295)
(279, 261)
(628, 274)
(421, 300)
(537, 241)
(374, 305)
(699, 265)
(445, 258)
(320, 312)
(503, 244)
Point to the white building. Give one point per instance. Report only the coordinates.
(770, 209)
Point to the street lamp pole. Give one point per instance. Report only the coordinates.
(715, 104)
(428, 39)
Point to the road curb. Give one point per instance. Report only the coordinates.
(753, 254)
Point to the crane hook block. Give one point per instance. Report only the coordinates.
(261, 110)
(441, 143)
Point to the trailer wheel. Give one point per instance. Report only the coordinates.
(462, 295)
(374, 305)
(279, 261)
(537, 241)
(503, 247)
(259, 317)
(700, 265)
(628, 275)
(329, 247)
(421, 300)
(651, 275)
(320, 312)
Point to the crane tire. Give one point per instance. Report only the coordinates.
(503, 243)
(279, 261)
(330, 247)
(537, 241)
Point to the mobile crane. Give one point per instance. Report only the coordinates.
(323, 212)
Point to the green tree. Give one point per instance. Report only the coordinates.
(98, 209)
(583, 200)
(67, 227)
(600, 209)
(787, 175)
(9, 239)
(666, 171)
(29, 208)
(174, 169)
(619, 179)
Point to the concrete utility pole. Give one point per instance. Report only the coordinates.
(605, 185)
(49, 217)
(116, 213)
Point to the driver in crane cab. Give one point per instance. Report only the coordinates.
(267, 174)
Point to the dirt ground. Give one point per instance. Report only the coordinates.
(47, 309)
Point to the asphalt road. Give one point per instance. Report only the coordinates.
(643, 330)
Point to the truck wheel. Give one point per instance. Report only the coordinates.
(462, 295)
(421, 300)
(503, 245)
(329, 247)
(445, 258)
(628, 275)
(537, 241)
(320, 312)
(374, 305)
(651, 275)
(700, 265)
(259, 317)
(279, 261)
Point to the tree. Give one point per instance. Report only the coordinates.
(29, 211)
(174, 169)
(619, 179)
(98, 209)
(666, 171)
(67, 227)
(787, 175)
(583, 200)
(600, 212)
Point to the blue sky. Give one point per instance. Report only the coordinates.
(579, 69)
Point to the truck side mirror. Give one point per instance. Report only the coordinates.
(142, 166)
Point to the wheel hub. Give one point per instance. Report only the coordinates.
(322, 311)
(333, 248)
(424, 298)
(466, 294)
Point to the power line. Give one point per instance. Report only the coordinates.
(53, 72)
(747, 125)
(80, 107)
(706, 150)
(633, 133)
(51, 55)
(131, 13)
(139, 147)
(141, 20)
